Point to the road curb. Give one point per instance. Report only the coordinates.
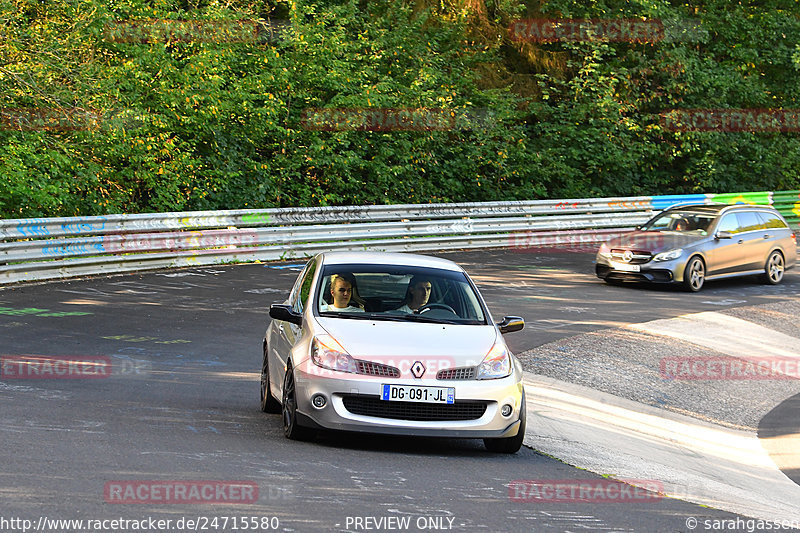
(726, 467)
(695, 461)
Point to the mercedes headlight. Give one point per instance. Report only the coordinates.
(668, 256)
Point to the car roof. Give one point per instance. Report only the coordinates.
(388, 258)
(716, 208)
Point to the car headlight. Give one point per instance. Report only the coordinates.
(328, 353)
(604, 250)
(668, 256)
(496, 364)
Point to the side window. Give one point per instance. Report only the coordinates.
(473, 308)
(303, 287)
(749, 221)
(728, 223)
(772, 220)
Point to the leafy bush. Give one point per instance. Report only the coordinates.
(124, 106)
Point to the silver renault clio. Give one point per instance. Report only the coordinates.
(392, 343)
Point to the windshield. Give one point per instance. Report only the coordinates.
(398, 293)
(681, 221)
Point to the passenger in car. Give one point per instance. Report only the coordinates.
(343, 291)
(417, 294)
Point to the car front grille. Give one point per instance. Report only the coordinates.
(467, 372)
(655, 275)
(639, 257)
(374, 406)
(377, 369)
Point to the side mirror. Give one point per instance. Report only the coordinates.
(286, 313)
(511, 323)
(723, 235)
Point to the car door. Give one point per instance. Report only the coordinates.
(775, 234)
(754, 239)
(725, 254)
(284, 335)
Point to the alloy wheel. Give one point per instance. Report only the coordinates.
(268, 403)
(695, 274)
(775, 268)
(291, 428)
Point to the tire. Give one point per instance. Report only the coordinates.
(268, 402)
(509, 444)
(291, 428)
(694, 276)
(774, 268)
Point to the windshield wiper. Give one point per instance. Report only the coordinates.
(393, 318)
(340, 314)
(418, 318)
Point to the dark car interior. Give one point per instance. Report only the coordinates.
(385, 293)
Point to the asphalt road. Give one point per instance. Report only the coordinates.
(559, 295)
(181, 404)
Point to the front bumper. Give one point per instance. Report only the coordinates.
(654, 272)
(348, 395)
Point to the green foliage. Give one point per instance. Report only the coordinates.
(124, 106)
(603, 121)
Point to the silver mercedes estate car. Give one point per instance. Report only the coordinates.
(392, 343)
(691, 244)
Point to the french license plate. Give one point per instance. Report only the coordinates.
(625, 267)
(409, 393)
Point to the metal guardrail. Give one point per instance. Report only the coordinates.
(53, 248)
